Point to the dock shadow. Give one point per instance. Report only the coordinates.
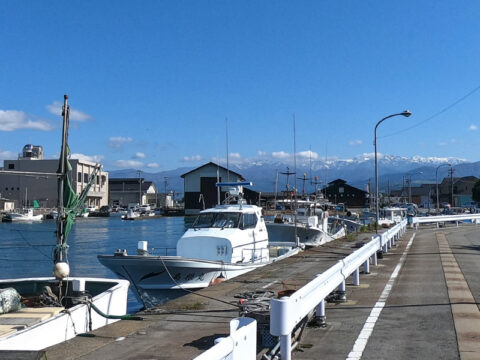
(205, 342)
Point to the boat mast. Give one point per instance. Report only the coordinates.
(61, 268)
(297, 240)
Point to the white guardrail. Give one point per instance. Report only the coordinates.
(475, 218)
(240, 345)
(287, 312)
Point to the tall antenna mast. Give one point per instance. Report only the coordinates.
(226, 130)
(297, 240)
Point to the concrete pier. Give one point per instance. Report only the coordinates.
(430, 310)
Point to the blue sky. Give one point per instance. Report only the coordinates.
(152, 82)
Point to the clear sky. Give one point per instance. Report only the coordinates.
(152, 82)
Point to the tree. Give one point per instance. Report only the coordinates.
(476, 191)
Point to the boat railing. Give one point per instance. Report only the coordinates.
(164, 251)
(255, 255)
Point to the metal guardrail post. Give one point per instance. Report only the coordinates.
(366, 266)
(356, 277)
(320, 313)
(342, 295)
(286, 347)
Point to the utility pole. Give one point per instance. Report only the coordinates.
(451, 171)
(139, 187)
(166, 183)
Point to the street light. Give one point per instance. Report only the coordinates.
(405, 113)
(436, 182)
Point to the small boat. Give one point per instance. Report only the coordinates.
(36, 313)
(83, 213)
(309, 223)
(392, 215)
(25, 215)
(131, 215)
(224, 242)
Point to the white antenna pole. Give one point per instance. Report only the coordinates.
(226, 129)
(295, 179)
(218, 187)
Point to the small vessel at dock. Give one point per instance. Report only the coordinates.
(224, 242)
(25, 215)
(309, 223)
(36, 313)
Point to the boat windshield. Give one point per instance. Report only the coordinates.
(217, 220)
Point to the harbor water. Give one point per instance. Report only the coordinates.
(27, 248)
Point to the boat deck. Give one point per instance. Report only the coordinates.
(19, 320)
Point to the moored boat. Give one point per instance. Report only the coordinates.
(224, 242)
(25, 215)
(40, 312)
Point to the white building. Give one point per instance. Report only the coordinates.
(23, 189)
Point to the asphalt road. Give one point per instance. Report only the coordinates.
(431, 311)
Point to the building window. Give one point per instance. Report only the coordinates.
(98, 180)
(11, 166)
(79, 177)
(104, 179)
(85, 178)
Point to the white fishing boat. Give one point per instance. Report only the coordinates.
(131, 215)
(309, 223)
(24, 215)
(392, 215)
(224, 242)
(40, 312)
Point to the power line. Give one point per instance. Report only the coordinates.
(434, 115)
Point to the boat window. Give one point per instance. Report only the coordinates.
(249, 221)
(226, 220)
(204, 220)
(217, 220)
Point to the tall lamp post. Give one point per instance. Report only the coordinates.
(405, 113)
(436, 182)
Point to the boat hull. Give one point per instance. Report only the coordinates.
(158, 279)
(112, 300)
(310, 236)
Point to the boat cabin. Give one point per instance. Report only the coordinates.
(232, 233)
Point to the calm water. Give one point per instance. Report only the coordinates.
(26, 249)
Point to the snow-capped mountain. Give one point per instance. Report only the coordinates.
(357, 171)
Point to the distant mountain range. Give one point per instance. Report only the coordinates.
(357, 172)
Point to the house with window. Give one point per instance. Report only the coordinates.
(124, 191)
